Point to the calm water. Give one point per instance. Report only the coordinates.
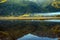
(30, 36)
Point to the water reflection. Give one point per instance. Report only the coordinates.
(33, 37)
(52, 20)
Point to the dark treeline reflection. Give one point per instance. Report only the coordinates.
(27, 22)
(23, 23)
(21, 27)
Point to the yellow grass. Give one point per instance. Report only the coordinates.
(27, 18)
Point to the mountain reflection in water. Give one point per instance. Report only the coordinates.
(33, 37)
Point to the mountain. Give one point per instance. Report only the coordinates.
(17, 8)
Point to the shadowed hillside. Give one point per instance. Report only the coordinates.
(8, 9)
